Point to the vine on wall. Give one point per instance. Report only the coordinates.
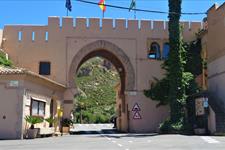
(3, 61)
(181, 69)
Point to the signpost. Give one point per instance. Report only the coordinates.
(206, 103)
(199, 107)
(137, 115)
(13, 83)
(136, 109)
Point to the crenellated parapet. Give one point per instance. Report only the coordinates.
(215, 32)
(68, 26)
(216, 14)
(65, 43)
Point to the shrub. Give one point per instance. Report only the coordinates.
(50, 120)
(175, 127)
(4, 61)
(33, 120)
(66, 122)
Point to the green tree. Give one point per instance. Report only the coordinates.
(175, 63)
(178, 83)
(95, 102)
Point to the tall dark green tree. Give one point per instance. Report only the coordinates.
(178, 82)
(175, 63)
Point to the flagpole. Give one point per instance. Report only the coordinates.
(135, 11)
(67, 12)
(103, 14)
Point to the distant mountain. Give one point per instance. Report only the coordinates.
(96, 80)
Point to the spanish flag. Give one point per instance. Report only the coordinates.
(102, 6)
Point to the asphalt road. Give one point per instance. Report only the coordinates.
(102, 137)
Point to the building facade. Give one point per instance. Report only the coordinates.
(135, 48)
(214, 47)
(25, 93)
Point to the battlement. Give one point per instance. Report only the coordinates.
(71, 25)
(215, 14)
(216, 8)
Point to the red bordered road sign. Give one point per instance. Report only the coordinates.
(137, 115)
(136, 107)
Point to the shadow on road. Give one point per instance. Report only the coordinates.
(140, 135)
(103, 131)
(113, 133)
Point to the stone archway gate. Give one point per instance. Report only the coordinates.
(68, 44)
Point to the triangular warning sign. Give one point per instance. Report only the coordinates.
(136, 107)
(137, 115)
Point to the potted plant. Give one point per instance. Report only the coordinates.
(32, 132)
(51, 122)
(66, 123)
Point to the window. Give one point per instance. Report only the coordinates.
(44, 68)
(33, 36)
(37, 108)
(20, 35)
(154, 52)
(46, 36)
(166, 49)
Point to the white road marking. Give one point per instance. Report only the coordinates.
(209, 140)
(113, 141)
(80, 125)
(108, 138)
(149, 141)
(130, 141)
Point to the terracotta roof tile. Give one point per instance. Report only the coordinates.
(21, 71)
(7, 70)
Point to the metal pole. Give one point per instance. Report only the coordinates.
(135, 11)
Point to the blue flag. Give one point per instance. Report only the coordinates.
(68, 5)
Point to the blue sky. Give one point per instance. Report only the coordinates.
(37, 11)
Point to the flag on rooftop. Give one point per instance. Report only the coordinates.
(102, 6)
(132, 5)
(68, 5)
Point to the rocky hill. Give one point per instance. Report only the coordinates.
(96, 80)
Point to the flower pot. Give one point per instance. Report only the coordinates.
(65, 129)
(32, 133)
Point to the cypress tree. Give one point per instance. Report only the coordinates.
(179, 81)
(175, 64)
